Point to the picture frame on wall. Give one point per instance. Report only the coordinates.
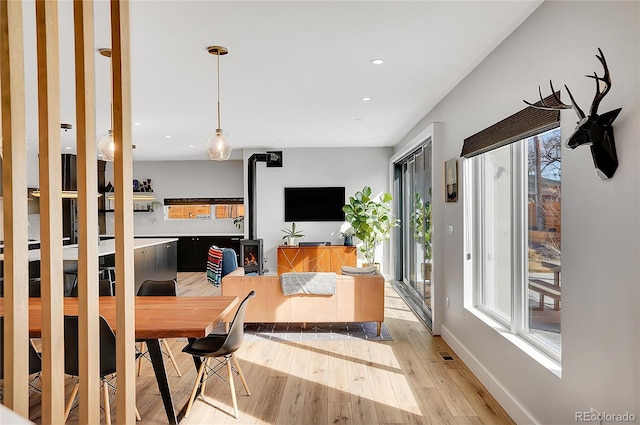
(451, 180)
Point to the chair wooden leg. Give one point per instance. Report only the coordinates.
(107, 407)
(138, 418)
(204, 376)
(195, 388)
(142, 344)
(244, 381)
(173, 360)
(72, 397)
(379, 328)
(233, 389)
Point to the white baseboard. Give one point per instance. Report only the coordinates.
(517, 412)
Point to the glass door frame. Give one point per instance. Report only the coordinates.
(425, 137)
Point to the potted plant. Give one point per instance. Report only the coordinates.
(237, 221)
(348, 236)
(290, 235)
(371, 220)
(420, 221)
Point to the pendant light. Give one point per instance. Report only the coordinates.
(106, 146)
(218, 147)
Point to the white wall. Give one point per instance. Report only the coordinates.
(352, 168)
(601, 234)
(183, 179)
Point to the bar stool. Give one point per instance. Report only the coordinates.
(108, 273)
(70, 269)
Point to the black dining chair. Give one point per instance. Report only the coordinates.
(106, 288)
(35, 363)
(107, 362)
(222, 348)
(158, 288)
(34, 287)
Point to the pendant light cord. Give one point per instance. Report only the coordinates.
(218, 55)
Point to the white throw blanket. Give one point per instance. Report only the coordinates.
(308, 283)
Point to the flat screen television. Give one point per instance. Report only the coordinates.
(313, 203)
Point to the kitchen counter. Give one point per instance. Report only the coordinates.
(106, 247)
(183, 235)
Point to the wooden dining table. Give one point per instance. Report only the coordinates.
(156, 317)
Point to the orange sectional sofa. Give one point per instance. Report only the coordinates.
(356, 299)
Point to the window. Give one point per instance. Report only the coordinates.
(514, 237)
(205, 209)
(188, 212)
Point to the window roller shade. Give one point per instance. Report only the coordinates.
(518, 126)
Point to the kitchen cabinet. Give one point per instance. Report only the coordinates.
(144, 263)
(155, 262)
(151, 261)
(166, 262)
(329, 258)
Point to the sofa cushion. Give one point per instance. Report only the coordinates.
(359, 271)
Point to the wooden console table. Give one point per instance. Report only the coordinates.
(329, 258)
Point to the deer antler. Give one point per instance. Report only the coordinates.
(559, 105)
(601, 89)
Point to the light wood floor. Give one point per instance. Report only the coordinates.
(404, 381)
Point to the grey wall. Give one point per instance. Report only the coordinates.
(181, 179)
(601, 234)
(350, 167)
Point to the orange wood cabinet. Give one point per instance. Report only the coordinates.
(315, 258)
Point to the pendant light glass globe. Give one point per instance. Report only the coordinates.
(218, 147)
(106, 147)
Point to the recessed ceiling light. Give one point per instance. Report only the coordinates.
(192, 146)
(68, 148)
(365, 99)
(377, 61)
(167, 137)
(137, 123)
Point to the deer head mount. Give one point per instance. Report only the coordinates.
(592, 130)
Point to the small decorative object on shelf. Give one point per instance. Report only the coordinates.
(143, 185)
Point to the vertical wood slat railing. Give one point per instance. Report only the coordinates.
(123, 176)
(14, 179)
(50, 170)
(88, 323)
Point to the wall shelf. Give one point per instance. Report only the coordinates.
(142, 201)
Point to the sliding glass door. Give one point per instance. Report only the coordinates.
(413, 175)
